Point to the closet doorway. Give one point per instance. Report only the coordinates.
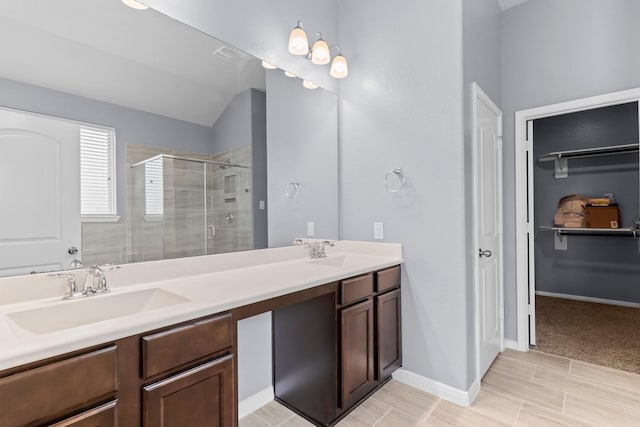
(576, 287)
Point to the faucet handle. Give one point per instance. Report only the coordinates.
(323, 244)
(72, 286)
(101, 276)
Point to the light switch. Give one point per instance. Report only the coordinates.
(311, 229)
(261, 205)
(378, 231)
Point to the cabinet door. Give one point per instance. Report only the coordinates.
(388, 325)
(202, 396)
(357, 352)
(102, 416)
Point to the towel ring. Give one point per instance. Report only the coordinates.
(291, 191)
(399, 178)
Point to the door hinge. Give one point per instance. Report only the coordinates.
(531, 310)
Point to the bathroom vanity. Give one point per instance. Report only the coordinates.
(336, 339)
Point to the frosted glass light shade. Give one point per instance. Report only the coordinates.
(320, 52)
(268, 65)
(298, 43)
(289, 74)
(339, 67)
(135, 5)
(309, 85)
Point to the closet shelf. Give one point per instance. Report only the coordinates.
(561, 157)
(635, 232)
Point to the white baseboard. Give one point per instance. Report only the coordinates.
(512, 345)
(589, 299)
(256, 401)
(459, 397)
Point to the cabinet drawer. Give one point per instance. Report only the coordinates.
(102, 416)
(388, 279)
(356, 289)
(53, 390)
(177, 347)
(201, 396)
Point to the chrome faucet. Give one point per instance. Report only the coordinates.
(323, 245)
(316, 249)
(95, 280)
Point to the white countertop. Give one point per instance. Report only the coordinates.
(211, 284)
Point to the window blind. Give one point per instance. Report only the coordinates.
(154, 187)
(97, 171)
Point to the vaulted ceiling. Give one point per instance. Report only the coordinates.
(141, 59)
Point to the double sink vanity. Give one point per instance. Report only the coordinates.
(161, 347)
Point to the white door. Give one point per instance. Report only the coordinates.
(39, 192)
(487, 177)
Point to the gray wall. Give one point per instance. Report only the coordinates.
(254, 355)
(259, 168)
(554, 51)
(131, 125)
(243, 123)
(593, 266)
(233, 129)
(302, 148)
(402, 106)
(481, 20)
(262, 28)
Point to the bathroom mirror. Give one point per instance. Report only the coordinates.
(190, 118)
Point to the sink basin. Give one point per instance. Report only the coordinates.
(69, 314)
(335, 261)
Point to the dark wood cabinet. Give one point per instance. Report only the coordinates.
(202, 396)
(61, 388)
(331, 352)
(102, 416)
(357, 350)
(389, 333)
(180, 375)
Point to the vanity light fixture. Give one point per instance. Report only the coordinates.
(268, 65)
(309, 85)
(289, 74)
(339, 67)
(135, 4)
(319, 53)
(298, 42)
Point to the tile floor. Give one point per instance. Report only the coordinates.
(520, 389)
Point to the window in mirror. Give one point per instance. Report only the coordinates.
(97, 172)
(154, 189)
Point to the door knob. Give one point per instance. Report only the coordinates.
(72, 250)
(482, 253)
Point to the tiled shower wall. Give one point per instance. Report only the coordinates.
(183, 230)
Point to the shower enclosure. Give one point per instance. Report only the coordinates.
(182, 206)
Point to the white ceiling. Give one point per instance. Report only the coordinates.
(104, 50)
(506, 4)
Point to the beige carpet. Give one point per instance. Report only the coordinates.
(603, 334)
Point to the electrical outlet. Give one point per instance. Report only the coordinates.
(378, 231)
(311, 229)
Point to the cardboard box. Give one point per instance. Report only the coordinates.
(602, 216)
